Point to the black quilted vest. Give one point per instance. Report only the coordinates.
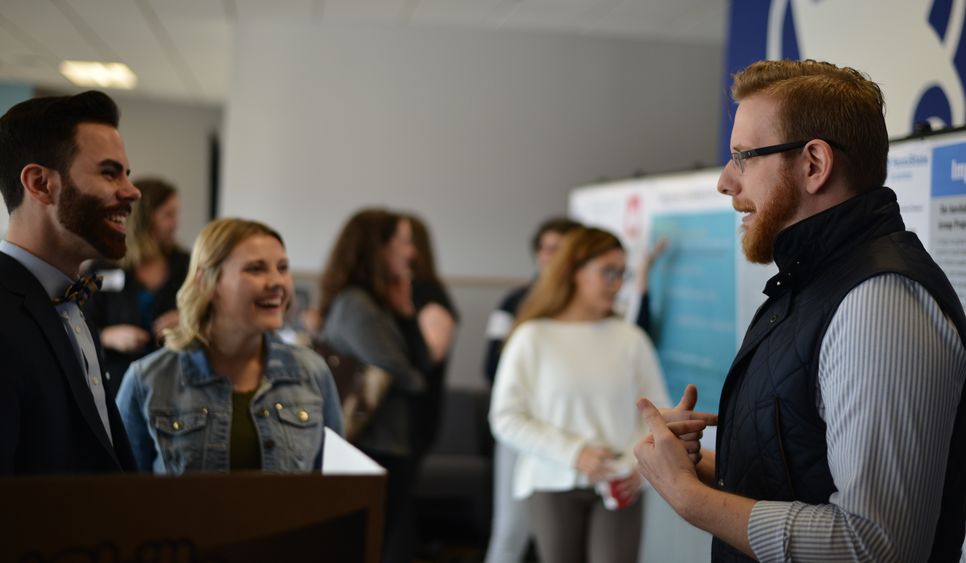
(771, 441)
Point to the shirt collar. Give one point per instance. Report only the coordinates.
(280, 363)
(53, 280)
(803, 249)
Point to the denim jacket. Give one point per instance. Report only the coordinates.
(177, 411)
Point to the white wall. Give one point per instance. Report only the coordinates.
(481, 132)
(171, 141)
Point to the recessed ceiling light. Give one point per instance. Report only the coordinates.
(102, 75)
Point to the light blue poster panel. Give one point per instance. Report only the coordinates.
(948, 234)
(692, 301)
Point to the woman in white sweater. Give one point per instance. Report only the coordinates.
(564, 397)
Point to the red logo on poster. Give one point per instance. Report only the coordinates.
(633, 213)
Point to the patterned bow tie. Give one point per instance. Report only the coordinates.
(80, 290)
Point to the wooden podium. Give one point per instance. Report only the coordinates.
(242, 517)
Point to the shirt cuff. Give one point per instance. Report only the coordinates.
(766, 529)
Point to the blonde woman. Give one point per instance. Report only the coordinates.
(225, 393)
(564, 397)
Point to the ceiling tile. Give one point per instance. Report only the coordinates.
(478, 13)
(365, 11)
(249, 10)
(208, 52)
(545, 16)
(192, 10)
(49, 27)
(700, 21)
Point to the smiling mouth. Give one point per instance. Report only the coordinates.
(270, 303)
(116, 220)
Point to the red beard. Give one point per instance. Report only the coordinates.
(770, 218)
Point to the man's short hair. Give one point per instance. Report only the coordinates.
(818, 100)
(560, 225)
(43, 131)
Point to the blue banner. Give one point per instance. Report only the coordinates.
(949, 171)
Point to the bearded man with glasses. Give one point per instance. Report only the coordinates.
(841, 421)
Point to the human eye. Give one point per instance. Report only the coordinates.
(111, 169)
(255, 267)
(283, 266)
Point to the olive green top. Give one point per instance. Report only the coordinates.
(245, 451)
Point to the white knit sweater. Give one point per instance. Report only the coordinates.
(561, 386)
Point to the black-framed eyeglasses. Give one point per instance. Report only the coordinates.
(739, 157)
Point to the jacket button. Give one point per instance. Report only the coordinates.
(204, 411)
(721, 483)
(264, 413)
(279, 406)
(303, 416)
(176, 425)
(269, 444)
(773, 318)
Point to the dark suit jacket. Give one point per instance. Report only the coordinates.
(48, 420)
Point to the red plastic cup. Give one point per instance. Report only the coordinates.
(609, 492)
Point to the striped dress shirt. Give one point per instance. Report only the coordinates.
(891, 371)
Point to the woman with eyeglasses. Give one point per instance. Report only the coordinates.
(226, 393)
(564, 397)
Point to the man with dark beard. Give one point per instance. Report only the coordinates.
(64, 180)
(841, 421)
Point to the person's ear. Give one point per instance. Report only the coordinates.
(819, 159)
(40, 182)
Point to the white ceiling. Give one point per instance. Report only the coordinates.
(181, 49)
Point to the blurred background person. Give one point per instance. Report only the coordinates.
(510, 532)
(437, 318)
(137, 300)
(225, 393)
(564, 398)
(368, 313)
(544, 244)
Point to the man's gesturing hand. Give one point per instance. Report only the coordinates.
(684, 421)
(662, 457)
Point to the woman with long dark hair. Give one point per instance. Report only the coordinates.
(368, 313)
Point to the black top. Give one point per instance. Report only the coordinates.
(427, 407)
(244, 450)
(132, 304)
